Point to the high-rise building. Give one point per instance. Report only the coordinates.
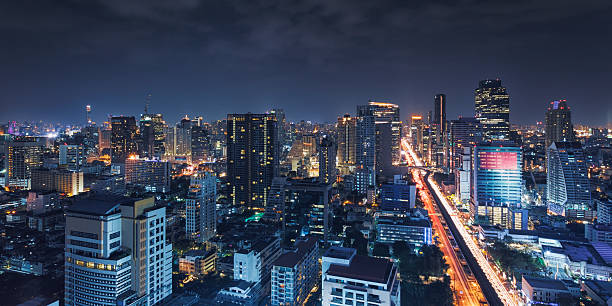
(252, 158)
(147, 136)
(182, 135)
(440, 111)
(21, 157)
(200, 206)
(73, 157)
(348, 278)
(327, 160)
(398, 196)
(116, 252)
(567, 182)
(412, 226)
(294, 273)
(497, 185)
(283, 137)
(365, 151)
(151, 174)
(386, 113)
(559, 126)
(464, 132)
(493, 109)
(416, 133)
(123, 138)
(199, 144)
(104, 141)
(347, 134)
(313, 198)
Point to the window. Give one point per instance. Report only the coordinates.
(115, 235)
(84, 235)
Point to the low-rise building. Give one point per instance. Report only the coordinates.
(198, 262)
(598, 291)
(351, 279)
(581, 260)
(543, 290)
(412, 227)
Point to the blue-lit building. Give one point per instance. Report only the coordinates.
(497, 185)
(413, 227)
(397, 196)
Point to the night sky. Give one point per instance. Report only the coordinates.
(316, 59)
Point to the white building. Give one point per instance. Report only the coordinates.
(348, 278)
(152, 174)
(116, 252)
(200, 206)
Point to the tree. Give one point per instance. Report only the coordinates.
(400, 247)
(381, 249)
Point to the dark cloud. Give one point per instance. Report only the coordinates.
(315, 58)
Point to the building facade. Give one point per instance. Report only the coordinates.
(295, 273)
(152, 174)
(559, 126)
(493, 109)
(567, 182)
(200, 207)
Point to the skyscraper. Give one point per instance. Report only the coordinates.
(72, 157)
(183, 138)
(440, 110)
(327, 160)
(22, 155)
(252, 158)
(151, 174)
(567, 182)
(559, 123)
(464, 132)
(116, 252)
(416, 133)
(200, 204)
(347, 128)
(365, 175)
(123, 138)
(386, 113)
(199, 144)
(497, 185)
(439, 139)
(493, 109)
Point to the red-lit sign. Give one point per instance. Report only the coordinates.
(498, 160)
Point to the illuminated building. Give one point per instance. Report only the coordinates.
(252, 158)
(182, 136)
(21, 157)
(416, 133)
(72, 157)
(116, 252)
(365, 175)
(104, 141)
(294, 273)
(439, 129)
(386, 113)
(497, 185)
(198, 262)
(327, 160)
(493, 109)
(397, 196)
(347, 129)
(65, 182)
(152, 174)
(311, 197)
(199, 144)
(200, 206)
(464, 132)
(351, 279)
(567, 183)
(559, 126)
(411, 226)
(123, 138)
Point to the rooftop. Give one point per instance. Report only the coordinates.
(547, 283)
(340, 252)
(99, 204)
(290, 259)
(364, 268)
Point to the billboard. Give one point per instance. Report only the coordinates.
(498, 160)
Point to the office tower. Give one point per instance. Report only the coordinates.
(493, 109)
(567, 183)
(104, 141)
(200, 206)
(123, 138)
(464, 132)
(440, 147)
(384, 156)
(412, 226)
(199, 144)
(400, 195)
(416, 133)
(307, 197)
(604, 211)
(88, 113)
(327, 160)
(295, 273)
(347, 141)
(559, 126)
(147, 135)
(497, 184)
(252, 158)
(283, 137)
(73, 157)
(440, 111)
(21, 157)
(151, 174)
(386, 113)
(116, 252)
(65, 182)
(348, 278)
(183, 138)
(463, 175)
(365, 174)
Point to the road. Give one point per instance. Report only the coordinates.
(501, 291)
(465, 288)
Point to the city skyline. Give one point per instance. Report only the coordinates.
(249, 56)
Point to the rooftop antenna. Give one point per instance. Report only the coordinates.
(147, 103)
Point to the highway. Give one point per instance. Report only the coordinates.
(492, 286)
